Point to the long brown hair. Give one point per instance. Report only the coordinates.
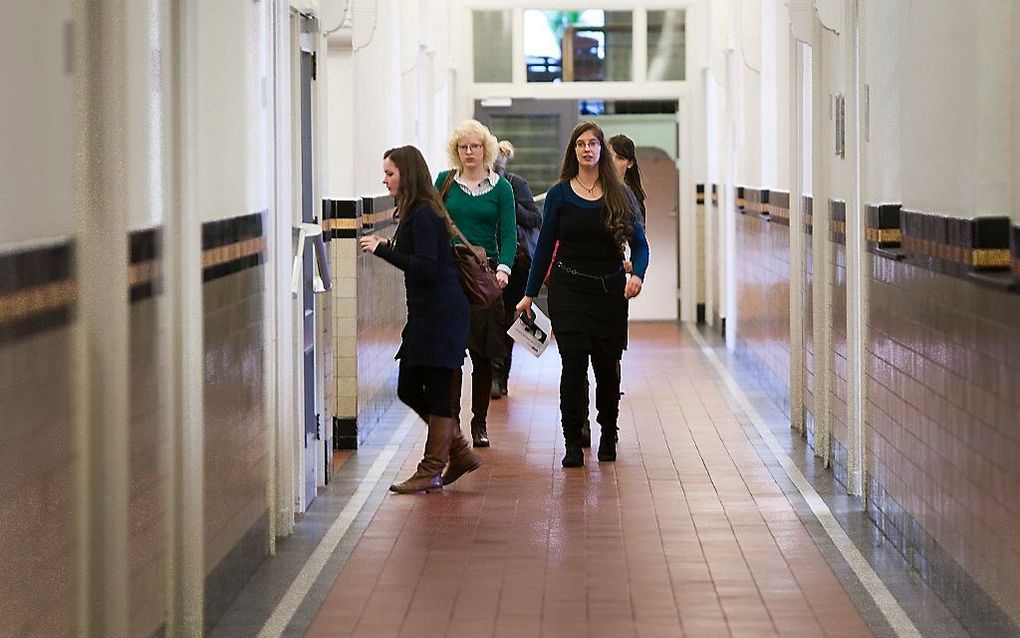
(415, 184)
(617, 212)
(624, 147)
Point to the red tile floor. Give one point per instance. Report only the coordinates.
(687, 534)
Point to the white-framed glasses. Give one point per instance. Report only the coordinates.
(464, 148)
(583, 144)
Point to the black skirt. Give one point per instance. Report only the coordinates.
(588, 311)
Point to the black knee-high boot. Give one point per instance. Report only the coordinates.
(573, 404)
(607, 402)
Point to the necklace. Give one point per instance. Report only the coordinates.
(591, 191)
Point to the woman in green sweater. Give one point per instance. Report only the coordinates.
(481, 204)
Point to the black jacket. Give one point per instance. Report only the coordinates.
(437, 309)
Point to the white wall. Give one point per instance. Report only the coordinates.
(956, 114)
(36, 123)
(1015, 110)
(231, 109)
(882, 62)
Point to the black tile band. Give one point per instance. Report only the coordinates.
(778, 207)
(37, 290)
(882, 225)
(232, 245)
(1014, 251)
(837, 221)
(377, 212)
(145, 272)
(341, 218)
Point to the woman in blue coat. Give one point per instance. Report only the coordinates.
(433, 341)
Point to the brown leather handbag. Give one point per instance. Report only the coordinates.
(476, 275)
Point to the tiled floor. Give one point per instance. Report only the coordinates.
(688, 533)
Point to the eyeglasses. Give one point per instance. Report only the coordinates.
(464, 148)
(583, 144)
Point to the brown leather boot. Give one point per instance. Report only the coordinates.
(428, 477)
(463, 459)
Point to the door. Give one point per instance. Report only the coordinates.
(660, 179)
(312, 420)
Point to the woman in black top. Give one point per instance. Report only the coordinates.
(433, 341)
(592, 215)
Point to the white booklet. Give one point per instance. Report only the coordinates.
(534, 333)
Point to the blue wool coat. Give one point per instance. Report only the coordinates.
(437, 309)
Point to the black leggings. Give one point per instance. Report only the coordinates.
(425, 389)
(574, 391)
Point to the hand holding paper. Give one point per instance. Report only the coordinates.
(533, 332)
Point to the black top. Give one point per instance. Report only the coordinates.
(584, 242)
(437, 309)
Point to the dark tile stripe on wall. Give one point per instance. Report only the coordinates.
(37, 290)
(837, 221)
(232, 245)
(1014, 252)
(778, 207)
(977, 249)
(377, 212)
(144, 276)
(341, 218)
(699, 197)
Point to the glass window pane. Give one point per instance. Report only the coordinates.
(493, 55)
(666, 43)
(535, 158)
(597, 44)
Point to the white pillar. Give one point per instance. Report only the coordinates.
(101, 334)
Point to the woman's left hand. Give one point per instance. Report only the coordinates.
(502, 278)
(633, 288)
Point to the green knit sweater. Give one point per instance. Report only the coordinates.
(488, 220)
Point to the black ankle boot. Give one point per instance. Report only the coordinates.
(607, 446)
(479, 436)
(574, 457)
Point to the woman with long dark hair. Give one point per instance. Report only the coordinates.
(592, 216)
(433, 341)
(624, 157)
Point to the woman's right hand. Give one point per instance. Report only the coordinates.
(524, 306)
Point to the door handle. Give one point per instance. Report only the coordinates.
(322, 281)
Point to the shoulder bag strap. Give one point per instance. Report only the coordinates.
(447, 183)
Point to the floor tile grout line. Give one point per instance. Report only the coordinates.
(872, 583)
(277, 622)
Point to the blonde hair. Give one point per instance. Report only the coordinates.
(475, 128)
(506, 149)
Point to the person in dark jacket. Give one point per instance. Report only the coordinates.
(435, 336)
(592, 215)
(529, 220)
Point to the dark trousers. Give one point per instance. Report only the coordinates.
(481, 382)
(574, 392)
(512, 294)
(425, 389)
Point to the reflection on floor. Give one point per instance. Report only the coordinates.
(696, 530)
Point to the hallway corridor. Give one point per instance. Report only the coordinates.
(697, 530)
